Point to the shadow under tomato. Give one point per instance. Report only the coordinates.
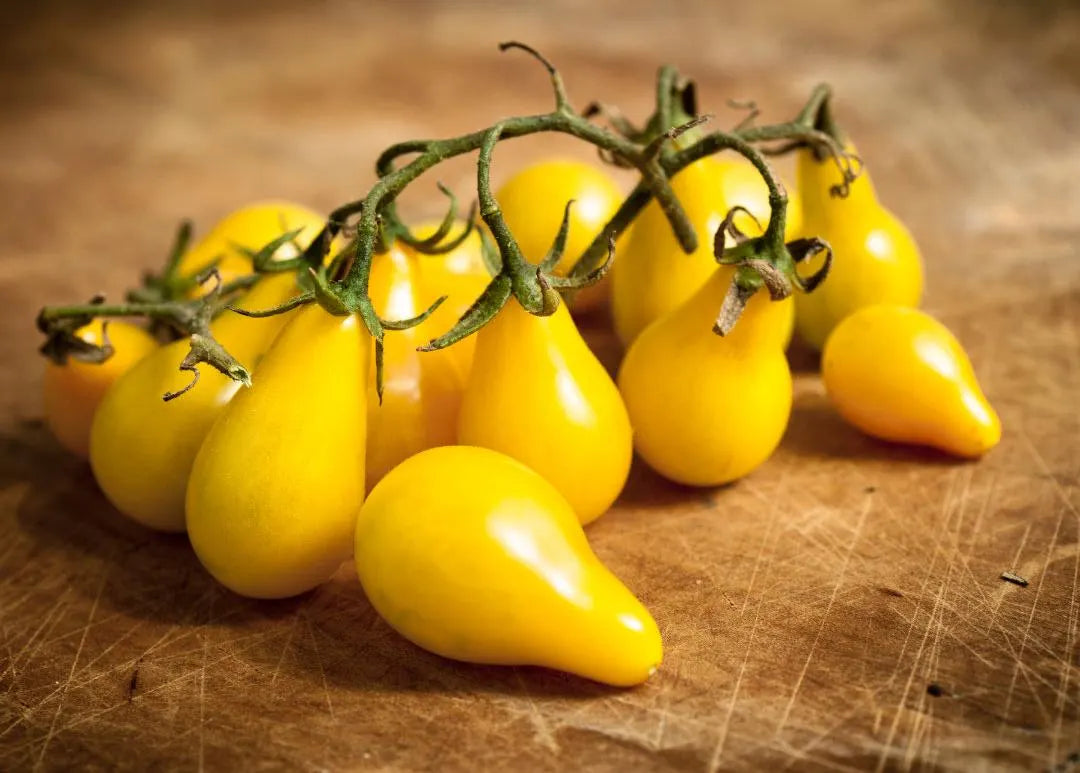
(816, 430)
(646, 489)
(79, 540)
(801, 358)
(349, 645)
(77, 533)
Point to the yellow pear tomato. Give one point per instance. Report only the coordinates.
(73, 391)
(421, 390)
(708, 409)
(533, 202)
(875, 258)
(898, 374)
(652, 275)
(250, 228)
(470, 554)
(461, 275)
(278, 482)
(142, 448)
(538, 394)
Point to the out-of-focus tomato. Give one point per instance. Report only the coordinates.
(533, 202)
(875, 258)
(421, 390)
(73, 391)
(250, 228)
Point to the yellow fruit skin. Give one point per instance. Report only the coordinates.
(651, 274)
(277, 484)
(538, 394)
(250, 227)
(422, 391)
(142, 448)
(875, 258)
(534, 199)
(473, 556)
(73, 391)
(533, 202)
(707, 409)
(898, 374)
(461, 276)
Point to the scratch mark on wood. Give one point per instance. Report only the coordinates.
(1027, 629)
(857, 533)
(318, 659)
(540, 725)
(74, 663)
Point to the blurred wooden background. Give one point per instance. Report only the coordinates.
(840, 609)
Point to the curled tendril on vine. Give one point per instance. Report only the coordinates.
(371, 224)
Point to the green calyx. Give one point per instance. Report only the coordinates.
(672, 138)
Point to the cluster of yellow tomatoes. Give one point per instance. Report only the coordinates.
(462, 495)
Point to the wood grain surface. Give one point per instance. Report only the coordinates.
(840, 609)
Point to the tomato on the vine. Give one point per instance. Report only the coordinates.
(538, 394)
(461, 275)
(141, 448)
(875, 258)
(708, 409)
(422, 391)
(276, 486)
(72, 392)
(248, 229)
(652, 275)
(533, 202)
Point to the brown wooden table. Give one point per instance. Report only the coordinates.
(839, 609)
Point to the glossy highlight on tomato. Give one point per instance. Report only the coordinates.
(461, 275)
(533, 202)
(707, 409)
(248, 229)
(276, 486)
(898, 374)
(471, 555)
(72, 392)
(422, 391)
(538, 394)
(875, 258)
(651, 274)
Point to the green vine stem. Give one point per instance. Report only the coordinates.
(342, 287)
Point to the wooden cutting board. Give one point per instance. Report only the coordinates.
(840, 609)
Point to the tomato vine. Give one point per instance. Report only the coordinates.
(372, 222)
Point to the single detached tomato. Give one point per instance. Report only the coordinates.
(470, 554)
(652, 275)
(875, 258)
(708, 409)
(141, 447)
(73, 391)
(277, 484)
(533, 202)
(898, 374)
(422, 391)
(538, 394)
(250, 228)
